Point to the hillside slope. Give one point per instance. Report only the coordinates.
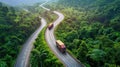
(91, 30)
(15, 27)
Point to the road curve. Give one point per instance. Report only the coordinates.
(44, 7)
(66, 59)
(23, 57)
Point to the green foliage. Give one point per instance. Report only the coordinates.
(91, 30)
(15, 27)
(41, 55)
(2, 63)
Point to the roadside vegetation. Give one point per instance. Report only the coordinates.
(16, 25)
(49, 16)
(91, 30)
(41, 55)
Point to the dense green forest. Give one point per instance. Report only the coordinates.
(91, 30)
(16, 25)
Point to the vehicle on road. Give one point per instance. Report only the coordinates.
(60, 45)
(50, 26)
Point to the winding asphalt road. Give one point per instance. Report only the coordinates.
(23, 57)
(66, 59)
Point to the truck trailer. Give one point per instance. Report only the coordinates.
(60, 45)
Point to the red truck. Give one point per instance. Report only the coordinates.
(60, 45)
(50, 26)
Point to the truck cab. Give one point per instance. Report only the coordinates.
(60, 45)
